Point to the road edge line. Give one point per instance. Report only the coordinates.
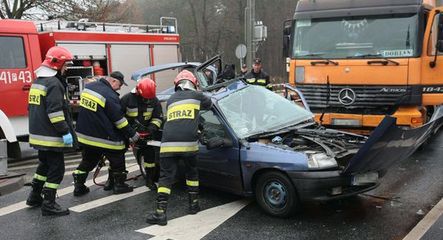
(426, 223)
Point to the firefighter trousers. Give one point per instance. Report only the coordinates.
(92, 156)
(151, 162)
(51, 168)
(168, 171)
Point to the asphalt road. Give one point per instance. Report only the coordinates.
(407, 192)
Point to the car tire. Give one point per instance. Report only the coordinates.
(276, 194)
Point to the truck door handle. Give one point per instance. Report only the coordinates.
(26, 87)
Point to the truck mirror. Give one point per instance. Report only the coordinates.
(287, 26)
(440, 27)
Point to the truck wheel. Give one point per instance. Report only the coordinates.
(276, 195)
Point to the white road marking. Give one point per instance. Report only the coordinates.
(423, 226)
(195, 226)
(22, 205)
(107, 200)
(21, 167)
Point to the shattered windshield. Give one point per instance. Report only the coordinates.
(380, 36)
(255, 110)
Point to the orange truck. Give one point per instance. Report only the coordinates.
(98, 49)
(356, 61)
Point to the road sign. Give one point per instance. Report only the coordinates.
(240, 51)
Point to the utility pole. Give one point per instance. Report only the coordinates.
(249, 31)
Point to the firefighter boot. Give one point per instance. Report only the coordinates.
(79, 184)
(159, 216)
(35, 196)
(119, 183)
(49, 206)
(109, 185)
(194, 206)
(150, 175)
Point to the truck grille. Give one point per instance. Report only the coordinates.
(354, 99)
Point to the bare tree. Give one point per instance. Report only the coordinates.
(94, 10)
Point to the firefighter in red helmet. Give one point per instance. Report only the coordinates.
(50, 129)
(144, 113)
(180, 142)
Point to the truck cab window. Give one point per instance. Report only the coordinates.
(12, 53)
(433, 38)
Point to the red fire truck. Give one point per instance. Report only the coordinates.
(98, 48)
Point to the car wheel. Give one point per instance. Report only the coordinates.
(276, 195)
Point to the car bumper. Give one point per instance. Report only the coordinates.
(325, 186)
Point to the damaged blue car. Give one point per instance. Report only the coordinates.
(258, 143)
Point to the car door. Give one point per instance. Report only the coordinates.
(219, 167)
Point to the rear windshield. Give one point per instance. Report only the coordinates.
(12, 53)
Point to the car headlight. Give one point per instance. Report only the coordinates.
(320, 161)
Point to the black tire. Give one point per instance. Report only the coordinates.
(276, 194)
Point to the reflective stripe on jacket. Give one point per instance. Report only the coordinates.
(49, 118)
(261, 79)
(101, 122)
(146, 113)
(180, 130)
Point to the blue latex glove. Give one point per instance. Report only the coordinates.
(67, 139)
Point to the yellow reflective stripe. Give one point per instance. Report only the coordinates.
(40, 177)
(168, 149)
(94, 98)
(79, 172)
(51, 185)
(182, 111)
(147, 114)
(157, 122)
(149, 165)
(57, 119)
(101, 145)
(37, 92)
(46, 143)
(250, 80)
(132, 114)
(123, 124)
(263, 81)
(164, 190)
(191, 183)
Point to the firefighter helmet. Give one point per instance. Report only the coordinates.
(146, 88)
(56, 57)
(186, 80)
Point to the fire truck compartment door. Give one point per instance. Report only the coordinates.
(165, 54)
(85, 51)
(128, 58)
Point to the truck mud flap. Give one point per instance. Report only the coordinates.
(389, 143)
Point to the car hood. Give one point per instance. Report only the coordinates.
(389, 143)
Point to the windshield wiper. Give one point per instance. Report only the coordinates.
(315, 54)
(325, 61)
(385, 60)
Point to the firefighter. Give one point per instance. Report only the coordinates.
(144, 113)
(102, 130)
(50, 129)
(180, 142)
(257, 76)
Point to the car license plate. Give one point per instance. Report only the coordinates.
(364, 178)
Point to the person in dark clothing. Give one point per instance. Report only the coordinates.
(103, 130)
(228, 72)
(144, 113)
(180, 142)
(257, 76)
(50, 129)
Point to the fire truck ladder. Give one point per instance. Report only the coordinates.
(168, 25)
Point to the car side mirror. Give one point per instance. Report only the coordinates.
(217, 142)
(439, 43)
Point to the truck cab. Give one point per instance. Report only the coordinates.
(357, 61)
